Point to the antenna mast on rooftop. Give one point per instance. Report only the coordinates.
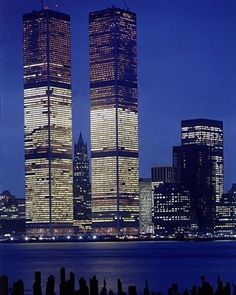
(42, 4)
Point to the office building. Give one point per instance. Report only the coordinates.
(171, 209)
(114, 122)
(81, 188)
(209, 133)
(193, 169)
(162, 174)
(21, 208)
(145, 206)
(11, 223)
(48, 123)
(198, 165)
(8, 206)
(226, 219)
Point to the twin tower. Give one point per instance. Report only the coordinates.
(113, 122)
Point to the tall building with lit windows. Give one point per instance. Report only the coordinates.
(145, 206)
(81, 188)
(209, 133)
(161, 174)
(48, 123)
(198, 165)
(114, 121)
(171, 209)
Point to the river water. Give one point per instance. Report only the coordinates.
(162, 263)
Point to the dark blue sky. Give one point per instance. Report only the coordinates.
(186, 69)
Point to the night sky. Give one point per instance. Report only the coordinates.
(186, 70)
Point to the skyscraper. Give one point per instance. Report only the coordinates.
(226, 219)
(47, 115)
(161, 174)
(198, 165)
(145, 206)
(209, 133)
(81, 188)
(114, 121)
(171, 209)
(193, 169)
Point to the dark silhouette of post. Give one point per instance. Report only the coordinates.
(63, 275)
(83, 288)
(132, 290)
(146, 289)
(93, 286)
(71, 284)
(4, 285)
(50, 288)
(173, 290)
(120, 287)
(228, 288)
(37, 289)
(104, 288)
(18, 288)
(62, 281)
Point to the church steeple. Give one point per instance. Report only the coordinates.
(80, 141)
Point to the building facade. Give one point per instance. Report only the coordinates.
(162, 174)
(145, 206)
(81, 188)
(12, 223)
(114, 121)
(171, 209)
(21, 208)
(48, 123)
(193, 169)
(8, 206)
(198, 165)
(209, 133)
(226, 219)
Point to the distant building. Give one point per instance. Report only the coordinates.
(162, 174)
(21, 208)
(8, 206)
(226, 221)
(145, 206)
(114, 122)
(11, 222)
(171, 209)
(81, 188)
(48, 123)
(198, 165)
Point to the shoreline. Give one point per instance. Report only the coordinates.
(114, 240)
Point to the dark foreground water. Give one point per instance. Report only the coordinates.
(162, 263)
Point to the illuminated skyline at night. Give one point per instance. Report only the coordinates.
(186, 69)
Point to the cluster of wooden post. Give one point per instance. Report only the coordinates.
(67, 287)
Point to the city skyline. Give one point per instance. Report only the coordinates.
(159, 141)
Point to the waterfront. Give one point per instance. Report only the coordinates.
(162, 263)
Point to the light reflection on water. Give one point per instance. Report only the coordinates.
(162, 263)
